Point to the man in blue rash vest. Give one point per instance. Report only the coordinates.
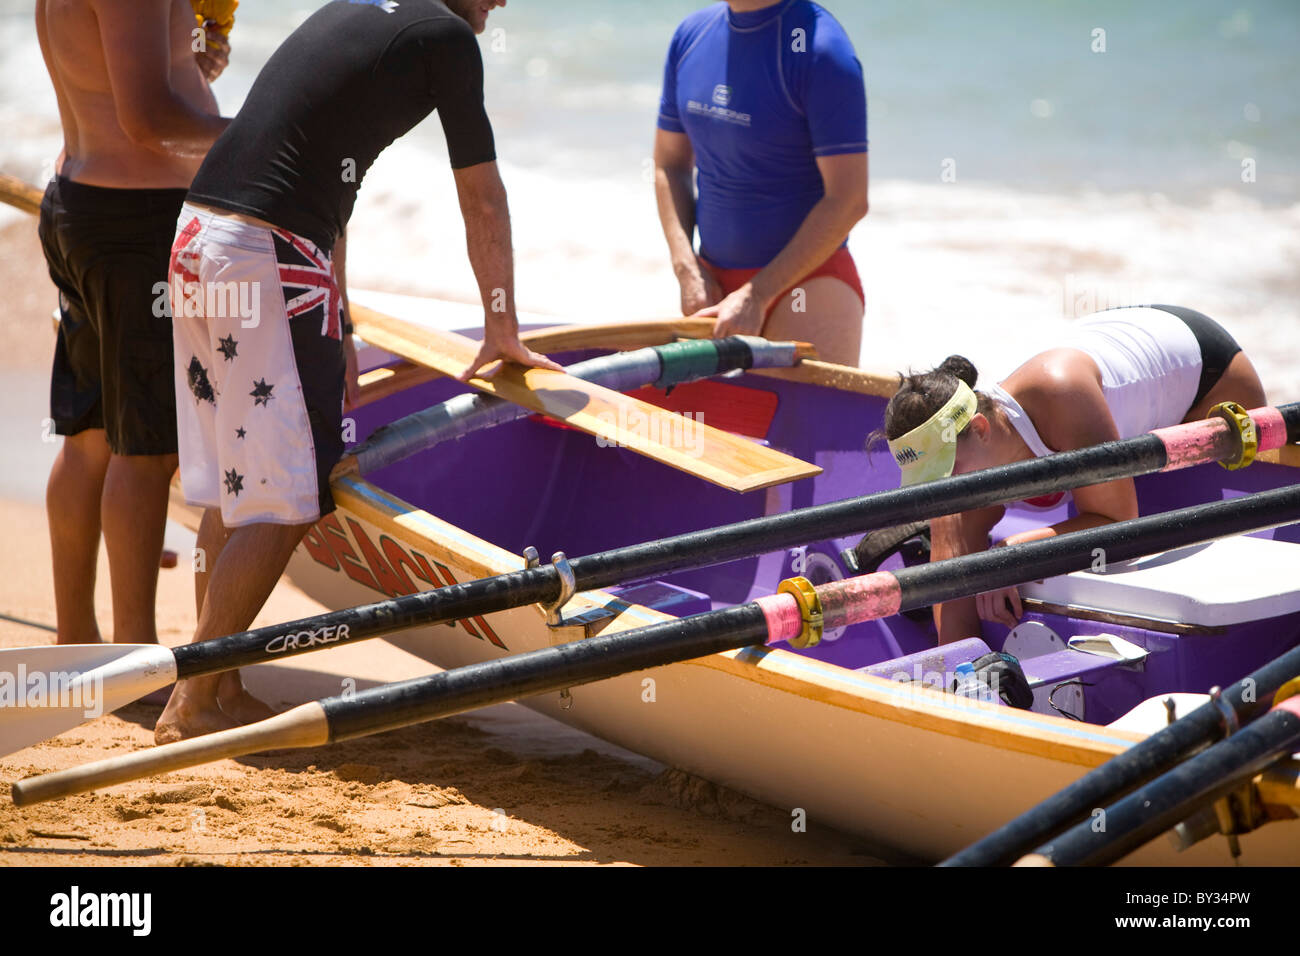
(260, 387)
(768, 101)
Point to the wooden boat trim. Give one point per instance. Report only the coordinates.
(624, 336)
(924, 708)
(843, 378)
(390, 379)
(1288, 455)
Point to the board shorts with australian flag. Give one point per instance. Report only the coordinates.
(259, 368)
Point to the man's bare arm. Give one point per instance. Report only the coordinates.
(952, 536)
(486, 212)
(339, 260)
(137, 51)
(825, 227)
(674, 162)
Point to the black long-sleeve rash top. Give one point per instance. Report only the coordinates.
(354, 77)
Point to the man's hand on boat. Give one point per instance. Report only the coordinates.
(505, 348)
(740, 313)
(698, 287)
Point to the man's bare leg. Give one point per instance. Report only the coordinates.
(831, 320)
(135, 518)
(72, 503)
(212, 538)
(240, 580)
(231, 695)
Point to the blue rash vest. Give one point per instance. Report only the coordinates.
(761, 95)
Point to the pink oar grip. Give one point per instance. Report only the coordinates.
(782, 615)
(866, 598)
(1191, 443)
(1271, 427)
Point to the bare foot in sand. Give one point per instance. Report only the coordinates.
(187, 714)
(237, 703)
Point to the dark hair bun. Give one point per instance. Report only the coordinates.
(961, 367)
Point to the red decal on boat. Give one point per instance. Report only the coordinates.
(429, 574)
(491, 634)
(422, 569)
(337, 539)
(327, 543)
(314, 541)
(396, 559)
(389, 583)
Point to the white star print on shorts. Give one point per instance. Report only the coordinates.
(258, 368)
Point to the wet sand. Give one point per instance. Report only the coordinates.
(502, 786)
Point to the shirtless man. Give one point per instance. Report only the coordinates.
(137, 118)
(259, 398)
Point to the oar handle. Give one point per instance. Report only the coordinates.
(304, 726)
(21, 195)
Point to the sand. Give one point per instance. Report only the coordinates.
(502, 786)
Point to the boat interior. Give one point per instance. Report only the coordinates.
(1093, 646)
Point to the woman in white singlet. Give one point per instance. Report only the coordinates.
(1118, 374)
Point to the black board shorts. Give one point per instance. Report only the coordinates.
(1217, 346)
(107, 252)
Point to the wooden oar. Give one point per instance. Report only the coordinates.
(727, 460)
(1164, 449)
(21, 195)
(663, 366)
(1164, 749)
(1172, 797)
(796, 613)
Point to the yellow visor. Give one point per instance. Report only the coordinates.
(928, 451)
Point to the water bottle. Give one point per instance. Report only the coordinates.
(969, 685)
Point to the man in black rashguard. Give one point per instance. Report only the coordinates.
(260, 317)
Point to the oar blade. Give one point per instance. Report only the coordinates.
(47, 690)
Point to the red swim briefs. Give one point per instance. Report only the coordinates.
(839, 266)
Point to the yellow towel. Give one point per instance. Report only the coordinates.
(220, 12)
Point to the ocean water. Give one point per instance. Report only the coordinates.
(1097, 153)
